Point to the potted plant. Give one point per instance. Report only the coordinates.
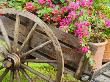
(98, 37)
(104, 7)
(106, 57)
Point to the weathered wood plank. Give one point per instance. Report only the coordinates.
(107, 73)
(62, 36)
(104, 68)
(70, 54)
(102, 78)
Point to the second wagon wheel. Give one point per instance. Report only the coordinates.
(13, 59)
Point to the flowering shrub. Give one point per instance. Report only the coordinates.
(71, 16)
(100, 25)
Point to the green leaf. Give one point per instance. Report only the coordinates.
(88, 54)
(91, 61)
(1, 1)
(11, 4)
(62, 1)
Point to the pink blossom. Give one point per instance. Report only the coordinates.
(82, 29)
(64, 22)
(55, 11)
(29, 6)
(50, 3)
(72, 15)
(41, 1)
(64, 9)
(76, 23)
(107, 23)
(81, 13)
(85, 49)
(85, 32)
(86, 23)
(80, 41)
(78, 32)
(80, 25)
(86, 3)
(77, 0)
(74, 5)
(89, 12)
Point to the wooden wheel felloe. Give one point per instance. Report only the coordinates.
(14, 59)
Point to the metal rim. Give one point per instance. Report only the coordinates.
(13, 58)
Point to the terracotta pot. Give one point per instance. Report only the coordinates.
(106, 57)
(98, 52)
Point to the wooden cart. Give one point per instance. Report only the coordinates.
(27, 36)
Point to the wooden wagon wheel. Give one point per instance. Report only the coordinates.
(14, 58)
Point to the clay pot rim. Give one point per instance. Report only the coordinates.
(99, 44)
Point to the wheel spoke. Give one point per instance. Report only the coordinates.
(11, 76)
(36, 73)
(28, 36)
(16, 31)
(4, 74)
(36, 48)
(40, 61)
(5, 35)
(17, 76)
(26, 75)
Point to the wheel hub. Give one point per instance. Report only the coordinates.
(12, 60)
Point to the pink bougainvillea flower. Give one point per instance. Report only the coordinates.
(101, 15)
(64, 9)
(85, 32)
(78, 33)
(76, 23)
(80, 41)
(85, 49)
(64, 22)
(56, 19)
(81, 13)
(29, 6)
(86, 3)
(55, 11)
(47, 17)
(72, 15)
(90, 2)
(107, 23)
(81, 29)
(41, 1)
(86, 23)
(80, 25)
(50, 3)
(89, 12)
(74, 5)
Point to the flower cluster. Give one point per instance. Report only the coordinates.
(75, 16)
(65, 14)
(29, 6)
(107, 23)
(81, 32)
